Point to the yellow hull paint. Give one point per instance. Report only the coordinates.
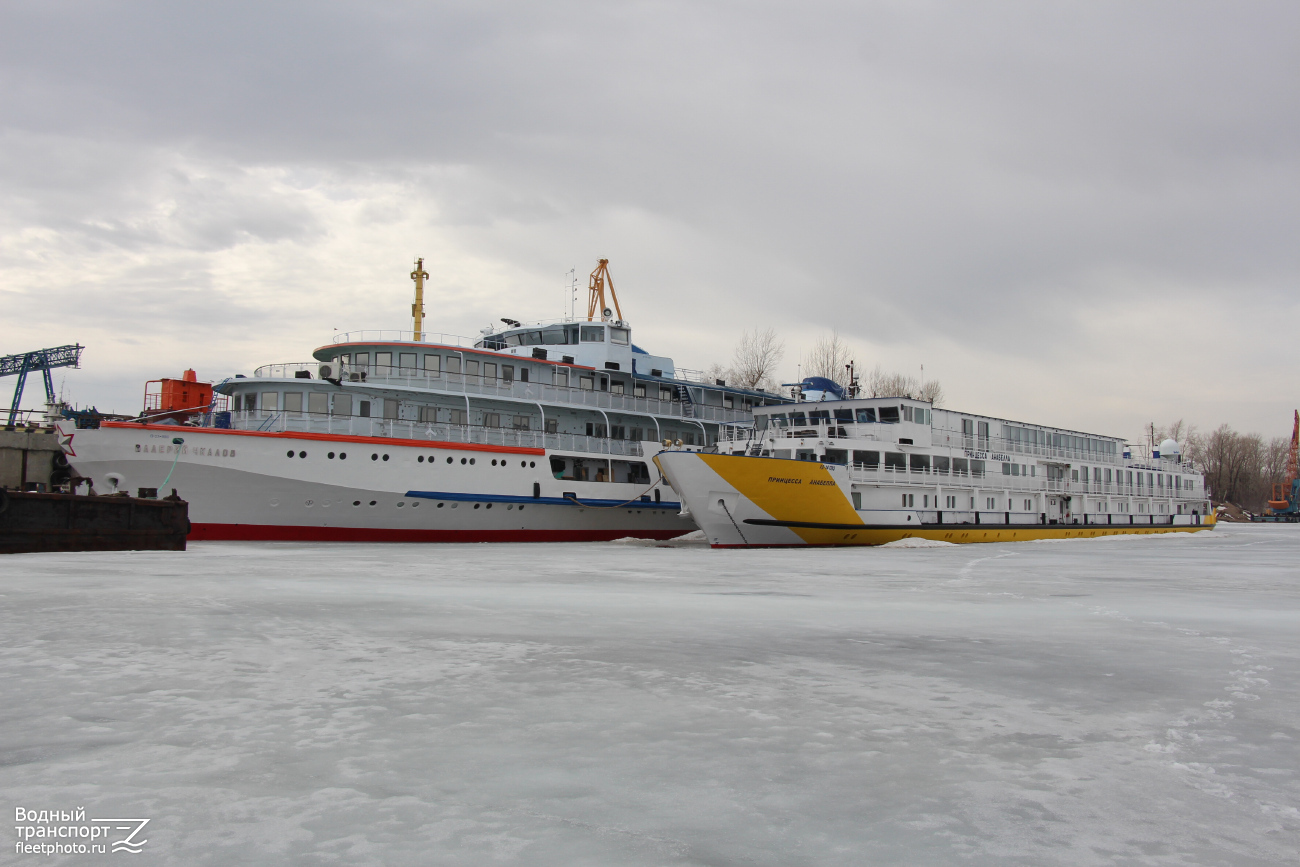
(962, 534)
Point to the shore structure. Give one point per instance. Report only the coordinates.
(875, 470)
(529, 432)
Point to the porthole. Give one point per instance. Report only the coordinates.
(289, 453)
(356, 502)
(523, 463)
(455, 505)
(448, 460)
(494, 462)
(420, 459)
(440, 505)
(385, 457)
(302, 454)
(415, 505)
(462, 460)
(374, 457)
(471, 461)
(532, 464)
(330, 456)
(400, 504)
(521, 508)
(343, 456)
(489, 505)
(476, 505)
(372, 502)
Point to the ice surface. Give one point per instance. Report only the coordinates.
(1128, 701)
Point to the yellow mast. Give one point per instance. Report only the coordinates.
(596, 288)
(419, 275)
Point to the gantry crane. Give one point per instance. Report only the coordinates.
(43, 360)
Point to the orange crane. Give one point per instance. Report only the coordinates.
(596, 297)
(1285, 505)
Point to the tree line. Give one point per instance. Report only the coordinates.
(1240, 468)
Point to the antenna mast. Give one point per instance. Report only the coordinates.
(419, 275)
(596, 298)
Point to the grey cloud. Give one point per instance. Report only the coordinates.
(954, 172)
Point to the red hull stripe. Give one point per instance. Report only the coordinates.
(329, 438)
(275, 533)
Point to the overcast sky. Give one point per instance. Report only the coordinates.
(1076, 214)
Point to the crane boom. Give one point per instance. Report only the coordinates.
(596, 297)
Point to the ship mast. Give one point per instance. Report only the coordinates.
(596, 298)
(419, 275)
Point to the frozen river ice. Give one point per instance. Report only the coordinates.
(1115, 701)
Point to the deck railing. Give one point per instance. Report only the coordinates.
(306, 422)
(839, 428)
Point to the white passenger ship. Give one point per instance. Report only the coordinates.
(872, 471)
(529, 433)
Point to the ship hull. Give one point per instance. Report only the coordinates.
(244, 485)
(741, 501)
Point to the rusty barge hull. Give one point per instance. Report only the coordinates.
(32, 522)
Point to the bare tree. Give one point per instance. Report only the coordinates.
(718, 371)
(881, 384)
(754, 362)
(829, 358)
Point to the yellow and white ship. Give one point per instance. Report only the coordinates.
(875, 470)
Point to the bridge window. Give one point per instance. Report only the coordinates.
(618, 335)
(270, 401)
(592, 333)
(383, 359)
(867, 416)
(433, 364)
(293, 401)
(889, 414)
(406, 361)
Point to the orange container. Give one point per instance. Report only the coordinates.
(178, 395)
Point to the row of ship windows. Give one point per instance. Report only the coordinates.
(863, 415)
(992, 504)
(943, 465)
(343, 456)
(343, 404)
(416, 505)
(1017, 436)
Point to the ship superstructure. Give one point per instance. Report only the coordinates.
(874, 470)
(528, 432)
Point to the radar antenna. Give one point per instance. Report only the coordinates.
(419, 275)
(596, 298)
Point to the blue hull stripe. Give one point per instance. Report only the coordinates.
(539, 501)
